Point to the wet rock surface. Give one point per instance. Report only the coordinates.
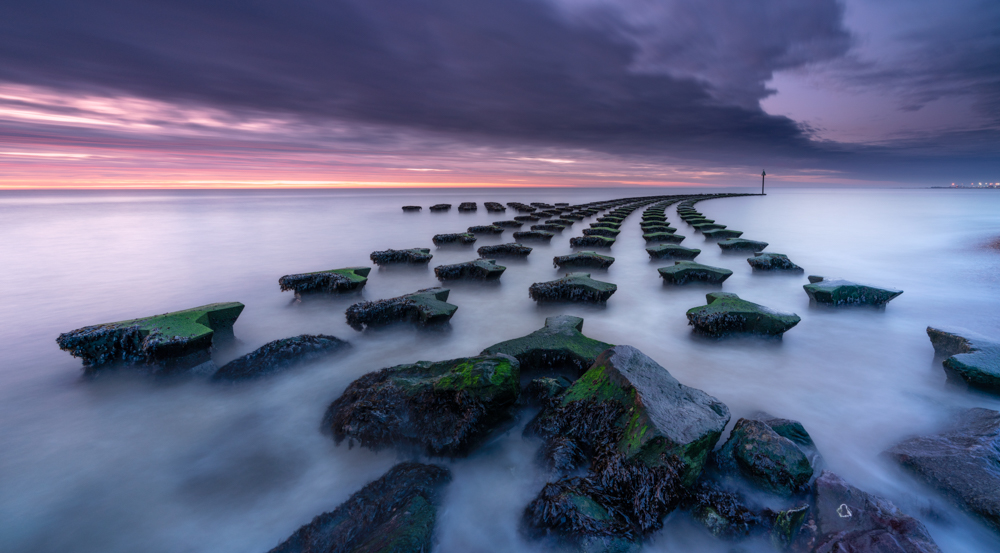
(428, 306)
(963, 462)
(480, 269)
(442, 408)
(396, 513)
(772, 262)
(541, 391)
(560, 344)
(741, 245)
(583, 259)
(413, 255)
(770, 461)
(683, 272)
(459, 238)
(504, 250)
(727, 313)
(572, 287)
(335, 281)
(672, 251)
(837, 291)
(972, 357)
(279, 355)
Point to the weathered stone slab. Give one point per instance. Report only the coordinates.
(480, 269)
(727, 313)
(413, 255)
(279, 355)
(672, 251)
(461, 238)
(772, 262)
(583, 259)
(741, 245)
(837, 291)
(559, 344)
(335, 281)
(428, 306)
(572, 287)
(683, 272)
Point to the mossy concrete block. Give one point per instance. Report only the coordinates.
(591, 241)
(602, 231)
(683, 272)
(334, 281)
(583, 259)
(412, 255)
(663, 237)
(440, 207)
(411, 208)
(772, 262)
(176, 340)
(467, 206)
(548, 227)
(765, 458)
(577, 287)
(480, 269)
(494, 207)
(485, 229)
(279, 355)
(722, 233)
(534, 235)
(461, 238)
(672, 251)
(559, 344)
(973, 357)
(508, 224)
(512, 249)
(741, 245)
(837, 291)
(727, 313)
(428, 306)
(441, 408)
(395, 513)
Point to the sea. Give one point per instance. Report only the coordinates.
(126, 462)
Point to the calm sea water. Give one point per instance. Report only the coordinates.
(128, 463)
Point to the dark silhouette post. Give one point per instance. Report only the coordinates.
(762, 175)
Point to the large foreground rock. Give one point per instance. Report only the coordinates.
(962, 462)
(334, 281)
(572, 287)
(836, 291)
(973, 357)
(772, 262)
(727, 313)
(672, 251)
(174, 341)
(742, 245)
(559, 344)
(441, 408)
(683, 272)
(395, 513)
(428, 306)
(583, 259)
(771, 461)
(480, 269)
(412, 255)
(279, 355)
(504, 250)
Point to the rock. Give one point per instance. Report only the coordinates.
(494, 207)
(650, 229)
(413, 255)
(583, 259)
(741, 245)
(601, 231)
(512, 249)
(771, 262)
(560, 344)
(442, 408)
(428, 306)
(574, 216)
(411, 208)
(727, 313)
(485, 229)
(666, 237)
(591, 242)
(768, 460)
(440, 207)
(847, 519)
(561, 221)
(572, 287)
(572, 510)
(480, 269)
(463, 238)
(963, 462)
(542, 205)
(548, 227)
(467, 206)
(534, 235)
(672, 251)
(279, 355)
(395, 513)
(723, 513)
(972, 357)
(683, 272)
(326, 282)
(707, 226)
(722, 233)
(543, 390)
(527, 218)
(511, 224)
(843, 292)
(178, 340)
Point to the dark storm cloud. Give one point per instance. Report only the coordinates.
(623, 75)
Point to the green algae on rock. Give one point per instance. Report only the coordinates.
(683, 272)
(973, 357)
(412, 255)
(442, 408)
(722, 233)
(547, 227)
(767, 459)
(334, 281)
(428, 306)
(583, 259)
(485, 229)
(591, 241)
(707, 226)
(512, 249)
(727, 313)
(464, 238)
(396, 513)
(176, 340)
(559, 344)
(836, 291)
(572, 287)
(672, 251)
(663, 237)
(479, 269)
(741, 245)
(279, 355)
(772, 262)
(601, 231)
(534, 235)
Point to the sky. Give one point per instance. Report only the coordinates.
(390, 93)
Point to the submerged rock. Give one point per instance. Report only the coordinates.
(666, 237)
(510, 224)
(485, 229)
(463, 238)
(741, 245)
(602, 231)
(442, 408)
(176, 341)
(672, 251)
(512, 249)
(559, 344)
(413, 255)
(683, 272)
(772, 262)
(395, 513)
(583, 259)
(428, 306)
(279, 355)
(727, 313)
(440, 207)
(722, 233)
(572, 287)
(767, 459)
(535, 235)
(974, 358)
(326, 282)
(962, 462)
(494, 207)
(480, 269)
(411, 208)
(837, 291)
(591, 242)
(467, 206)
